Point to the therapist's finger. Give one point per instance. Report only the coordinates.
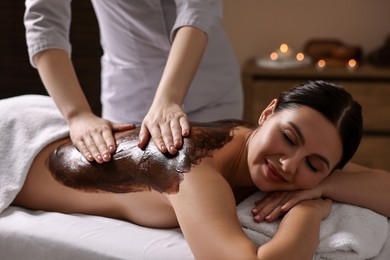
(82, 147)
(143, 137)
(105, 142)
(93, 149)
(166, 135)
(176, 133)
(185, 125)
(155, 133)
(107, 147)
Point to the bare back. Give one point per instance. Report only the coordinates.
(133, 186)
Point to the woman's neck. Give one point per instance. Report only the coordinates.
(236, 168)
(241, 175)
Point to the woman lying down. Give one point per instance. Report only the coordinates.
(303, 141)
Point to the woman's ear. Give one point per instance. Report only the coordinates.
(267, 111)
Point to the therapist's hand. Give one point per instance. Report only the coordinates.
(93, 136)
(166, 124)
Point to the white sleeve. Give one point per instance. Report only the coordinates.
(47, 24)
(202, 14)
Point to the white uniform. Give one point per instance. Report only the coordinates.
(136, 37)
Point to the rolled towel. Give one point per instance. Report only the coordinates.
(349, 232)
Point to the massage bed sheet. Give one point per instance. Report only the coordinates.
(33, 235)
(37, 235)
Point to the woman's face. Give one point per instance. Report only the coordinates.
(292, 149)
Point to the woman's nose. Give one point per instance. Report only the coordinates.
(289, 165)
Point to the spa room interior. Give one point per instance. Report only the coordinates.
(278, 45)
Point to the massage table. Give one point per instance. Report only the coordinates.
(38, 235)
(30, 235)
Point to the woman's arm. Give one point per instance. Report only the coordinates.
(359, 185)
(298, 233)
(166, 121)
(91, 134)
(354, 184)
(206, 211)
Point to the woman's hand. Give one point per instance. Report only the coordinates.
(93, 136)
(167, 125)
(274, 204)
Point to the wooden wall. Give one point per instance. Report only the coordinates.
(18, 77)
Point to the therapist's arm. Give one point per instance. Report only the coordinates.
(91, 134)
(166, 121)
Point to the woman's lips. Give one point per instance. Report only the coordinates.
(272, 174)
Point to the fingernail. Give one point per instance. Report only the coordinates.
(163, 148)
(106, 156)
(111, 148)
(178, 143)
(89, 157)
(172, 149)
(257, 218)
(254, 211)
(268, 218)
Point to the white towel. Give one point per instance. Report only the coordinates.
(350, 232)
(27, 124)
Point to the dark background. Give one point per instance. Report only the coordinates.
(18, 77)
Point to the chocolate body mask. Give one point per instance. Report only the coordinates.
(133, 169)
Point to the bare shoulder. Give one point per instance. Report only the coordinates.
(206, 211)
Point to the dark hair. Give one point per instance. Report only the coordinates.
(333, 102)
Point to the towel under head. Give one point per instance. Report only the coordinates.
(349, 232)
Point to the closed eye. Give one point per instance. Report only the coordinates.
(287, 138)
(311, 167)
